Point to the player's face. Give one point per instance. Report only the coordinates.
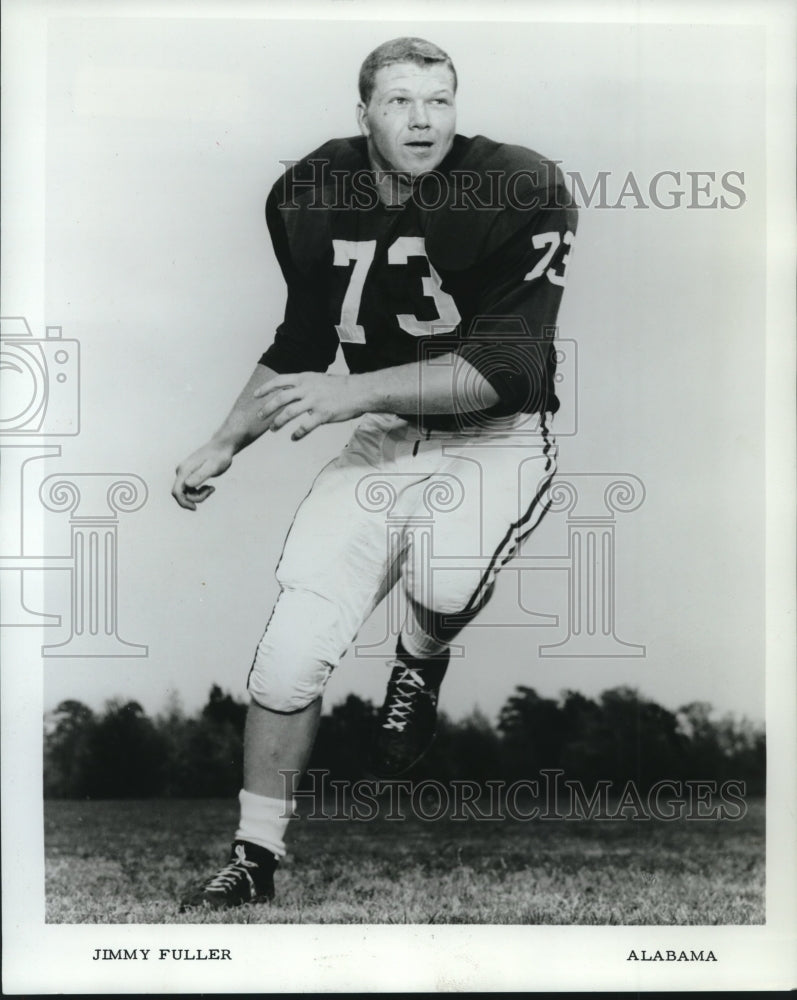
(410, 120)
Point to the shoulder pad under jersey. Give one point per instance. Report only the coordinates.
(308, 190)
(492, 190)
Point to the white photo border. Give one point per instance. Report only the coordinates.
(38, 957)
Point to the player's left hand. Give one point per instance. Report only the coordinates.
(311, 399)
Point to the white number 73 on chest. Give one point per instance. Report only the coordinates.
(362, 252)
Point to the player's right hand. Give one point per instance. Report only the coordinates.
(208, 461)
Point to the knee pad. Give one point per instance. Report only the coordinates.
(299, 649)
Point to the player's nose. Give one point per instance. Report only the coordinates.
(419, 116)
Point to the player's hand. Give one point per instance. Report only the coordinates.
(310, 399)
(190, 487)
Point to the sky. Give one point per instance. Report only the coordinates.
(163, 137)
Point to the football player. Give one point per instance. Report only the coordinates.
(437, 263)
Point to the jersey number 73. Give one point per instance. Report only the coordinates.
(362, 252)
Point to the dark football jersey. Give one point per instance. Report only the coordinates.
(473, 263)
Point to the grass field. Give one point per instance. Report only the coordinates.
(126, 862)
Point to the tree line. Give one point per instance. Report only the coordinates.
(620, 736)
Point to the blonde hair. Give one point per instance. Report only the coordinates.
(399, 50)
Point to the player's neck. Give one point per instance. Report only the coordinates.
(394, 187)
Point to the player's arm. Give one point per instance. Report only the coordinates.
(511, 342)
(242, 426)
(303, 341)
(450, 385)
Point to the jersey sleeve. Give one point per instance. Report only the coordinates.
(305, 340)
(510, 340)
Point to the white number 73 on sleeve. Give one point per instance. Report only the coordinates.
(552, 242)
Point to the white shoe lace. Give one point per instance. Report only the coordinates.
(406, 686)
(233, 871)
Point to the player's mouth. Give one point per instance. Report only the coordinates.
(420, 145)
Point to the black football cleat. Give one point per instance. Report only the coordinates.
(248, 877)
(407, 721)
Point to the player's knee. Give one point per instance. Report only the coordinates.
(453, 599)
(297, 653)
(287, 691)
(444, 592)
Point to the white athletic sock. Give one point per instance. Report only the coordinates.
(419, 644)
(263, 821)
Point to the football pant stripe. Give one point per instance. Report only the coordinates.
(507, 547)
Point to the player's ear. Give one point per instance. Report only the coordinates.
(362, 119)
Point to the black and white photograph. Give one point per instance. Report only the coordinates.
(398, 497)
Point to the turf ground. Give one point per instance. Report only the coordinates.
(126, 862)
